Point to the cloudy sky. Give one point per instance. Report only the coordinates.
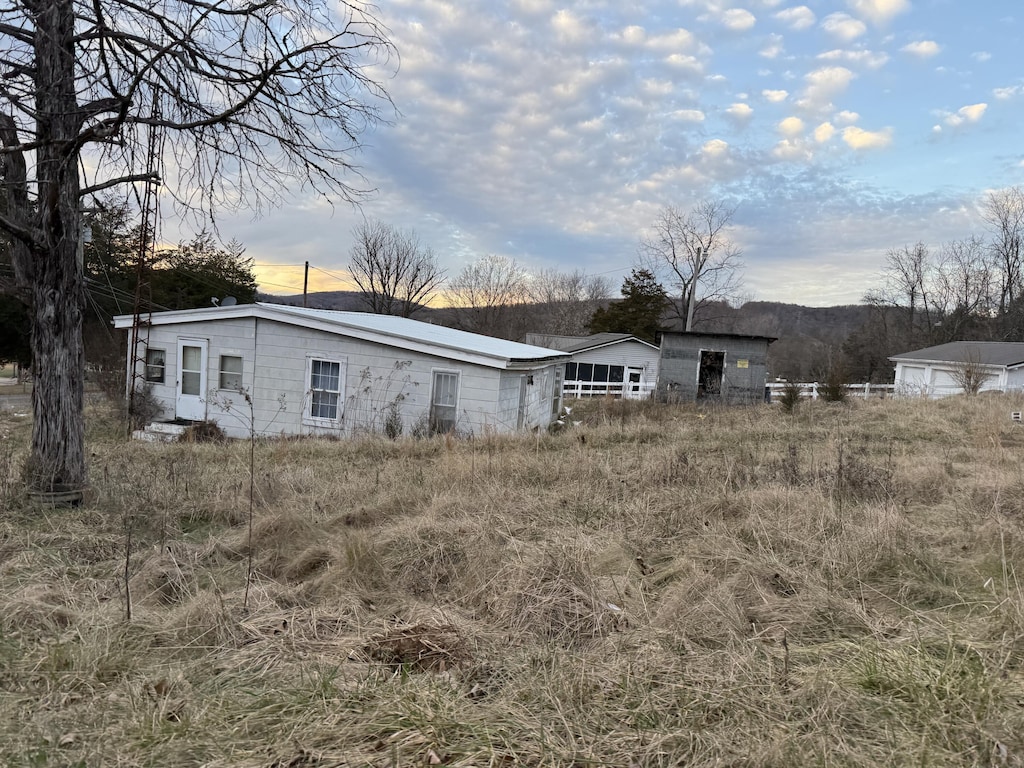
(552, 131)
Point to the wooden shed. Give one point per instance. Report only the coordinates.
(718, 367)
(311, 371)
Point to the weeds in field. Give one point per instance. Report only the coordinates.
(656, 586)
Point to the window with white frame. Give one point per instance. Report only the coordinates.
(231, 372)
(324, 390)
(156, 365)
(444, 402)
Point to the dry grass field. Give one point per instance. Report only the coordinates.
(654, 586)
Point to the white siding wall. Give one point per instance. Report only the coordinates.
(938, 380)
(507, 414)
(275, 374)
(537, 405)
(226, 337)
(1015, 379)
(628, 353)
(631, 354)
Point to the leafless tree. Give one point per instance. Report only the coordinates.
(970, 374)
(966, 281)
(396, 274)
(489, 296)
(909, 280)
(565, 301)
(691, 252)
(243, 100)
(1003, 211)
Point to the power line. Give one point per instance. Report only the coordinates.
(331, 274)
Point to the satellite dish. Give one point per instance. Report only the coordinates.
(228, 301)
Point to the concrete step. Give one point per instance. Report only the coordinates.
(166, 428)
(159, 432)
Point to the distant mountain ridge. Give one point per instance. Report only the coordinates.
(808, 337)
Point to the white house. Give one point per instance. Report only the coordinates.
(938, 371)
(616, 364)
(290, 370)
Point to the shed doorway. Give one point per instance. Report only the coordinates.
(709, 375)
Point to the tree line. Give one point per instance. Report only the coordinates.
(688, 251)
(969, 289)
(124, 270)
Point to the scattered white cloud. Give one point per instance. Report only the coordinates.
(715, 148)
(676, 40)
(856, 58)
(791, 151)
(878, 11)
(774, 47)
(632, 35)
(843, 26)
(570, 28)
(685, 63)
(822, 86)
(533, 7)
(507, 107)
(688, 115)
(924, 49)
(824, 132)
(798, 18)
(969, 114)
(859, 139)
(791, 127)
(652, 87)
(740, 113)
(738, 19)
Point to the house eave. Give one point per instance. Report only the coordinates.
(339, 328)
(606, 344)
(953, 363)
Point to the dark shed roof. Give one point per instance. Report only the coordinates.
(580, 343)
(747, 336)
(1004, 353)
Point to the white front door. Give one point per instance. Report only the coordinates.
(190, 403)
(634, 383)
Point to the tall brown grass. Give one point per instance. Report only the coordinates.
(655, 586)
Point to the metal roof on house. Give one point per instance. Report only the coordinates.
(581, 343)
(400, 332)
(1002, 353)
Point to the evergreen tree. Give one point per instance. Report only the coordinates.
(638, 312)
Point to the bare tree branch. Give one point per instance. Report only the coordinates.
(231, 103)
(488, 296)
(692, 253)
(397, 276)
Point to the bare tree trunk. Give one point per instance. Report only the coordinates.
(57, 461)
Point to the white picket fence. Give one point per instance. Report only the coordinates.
(810, 389)
(633, 391)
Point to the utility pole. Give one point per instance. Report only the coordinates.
(693, 289)
(305, 285)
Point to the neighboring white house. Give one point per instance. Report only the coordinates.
(312, 371)
(616, 364)
(939, 371)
